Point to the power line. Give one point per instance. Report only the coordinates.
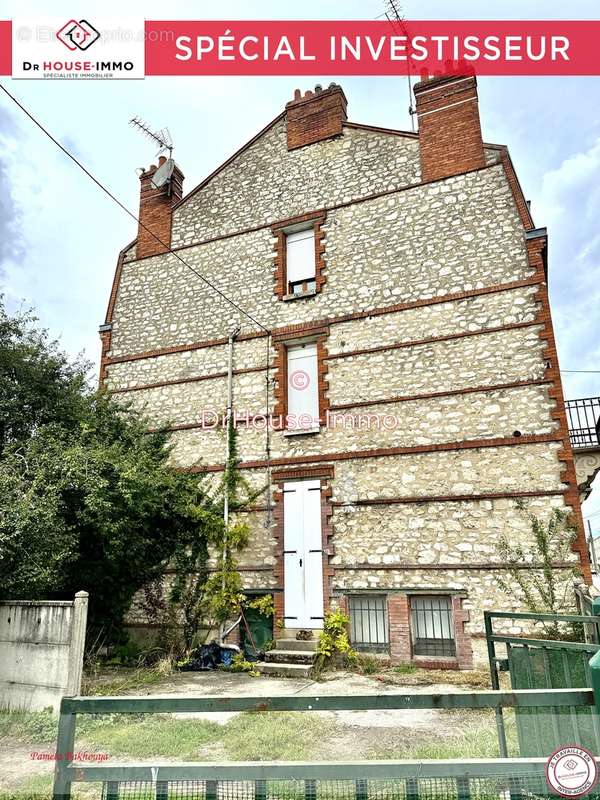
(130, 213)
(157, 238)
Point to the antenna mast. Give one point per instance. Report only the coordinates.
(396, 20)
(161, 137)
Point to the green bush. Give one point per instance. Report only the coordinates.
(334, 646)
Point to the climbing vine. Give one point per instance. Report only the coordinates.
(201, 595)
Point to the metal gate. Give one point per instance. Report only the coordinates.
(537, 663)
(453, 779)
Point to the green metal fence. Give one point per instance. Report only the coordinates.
(359, 780)
(539, 663)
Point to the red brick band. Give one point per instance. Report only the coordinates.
(349, 455)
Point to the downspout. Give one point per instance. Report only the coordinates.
(228, 414)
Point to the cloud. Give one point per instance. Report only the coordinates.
(569, 203)
(11, 241)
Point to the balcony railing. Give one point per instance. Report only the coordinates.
(583, 417)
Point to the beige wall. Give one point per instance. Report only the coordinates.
(445, 238)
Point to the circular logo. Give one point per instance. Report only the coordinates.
(571, 771)
(299, 379)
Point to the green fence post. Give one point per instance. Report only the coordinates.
(362, 792)
(491, 647)
(211, 790)
(162, 790)
(65, 744)
(463, 790)
(595, 673)
(595, 611)
(112, 790)
(412, 789)
(515, 789)
(260, 790)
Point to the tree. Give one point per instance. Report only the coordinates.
(543, 587)
(202, 599)
(88, 499)
(39, 384)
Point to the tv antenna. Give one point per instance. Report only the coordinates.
(396, 20)
(163, 139)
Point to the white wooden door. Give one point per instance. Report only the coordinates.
(303, 554)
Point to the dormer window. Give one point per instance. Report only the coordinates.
(300, 258)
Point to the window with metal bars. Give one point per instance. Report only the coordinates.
(432, 626)
(368, 623)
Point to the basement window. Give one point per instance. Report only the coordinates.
(432, 626)
(368, 623)
(300, 261)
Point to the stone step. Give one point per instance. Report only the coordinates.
(284, 670)
(290, 656)
(297, 644)
(290, 633)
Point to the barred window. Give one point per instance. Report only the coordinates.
(368, 622)
(432, 626)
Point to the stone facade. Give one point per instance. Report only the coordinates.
(433, 315)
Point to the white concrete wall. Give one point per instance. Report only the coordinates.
(41, 651)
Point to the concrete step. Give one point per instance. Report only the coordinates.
(290, 633)
(284, 670)
(290, 656)
(297, 644)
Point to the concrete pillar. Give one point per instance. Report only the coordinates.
(78, 628)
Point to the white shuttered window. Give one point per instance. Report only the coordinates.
(300, 261)
(303, 388)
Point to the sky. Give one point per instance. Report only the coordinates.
(60, 236)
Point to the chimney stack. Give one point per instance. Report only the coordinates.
(315, 116)
(449, 128)
(156, 210)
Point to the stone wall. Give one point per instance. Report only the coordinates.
(434, 281)
(266, 181)
(428, 241)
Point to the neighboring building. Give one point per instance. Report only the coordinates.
(402, 279)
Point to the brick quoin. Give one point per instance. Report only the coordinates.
(156, 211)
(450, 140)
(315, 116)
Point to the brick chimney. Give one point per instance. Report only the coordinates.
(315, 115)
(156, 210)
(449, 129)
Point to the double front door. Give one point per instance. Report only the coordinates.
(303, 554)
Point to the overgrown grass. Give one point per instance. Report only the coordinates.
(285, 736)
(35, 727)
(404, 669)
(410, 675)
(39, 787)
(119, 680)
(152, 735)
(247, 737)
(474, 736)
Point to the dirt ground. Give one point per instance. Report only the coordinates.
(357, 733)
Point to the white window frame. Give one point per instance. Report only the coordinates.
(301, 267)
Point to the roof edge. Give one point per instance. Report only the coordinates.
(228, 161)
